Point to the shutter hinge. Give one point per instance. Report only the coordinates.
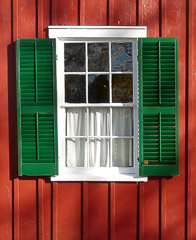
(56, 57)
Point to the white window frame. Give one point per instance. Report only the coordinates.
(95, 33)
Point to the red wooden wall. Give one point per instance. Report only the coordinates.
(34, 208)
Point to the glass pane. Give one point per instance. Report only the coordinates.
(122, 88)
(76, 153)
(74, 57)
(98, 89)
(122, 57)
(98, 57)
(122, 122)
(75, 89)
(99, 122)
(99, 152)
(122, 152)
(75, 122)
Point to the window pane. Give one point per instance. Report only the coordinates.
(75, 89)
(76, 153)
(99, 152)
(98, 57)
(122, 122)
(122, 88)
(99, 122)
(74, 57)
(98, 89)
(122, 152)
(75, 122)
(122, 57)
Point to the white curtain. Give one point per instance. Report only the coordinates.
(99, 125)
(122, 125)
(97, 153)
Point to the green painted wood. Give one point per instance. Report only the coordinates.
(158, 106)
(36, 106)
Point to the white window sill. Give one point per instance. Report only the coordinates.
(101, 174)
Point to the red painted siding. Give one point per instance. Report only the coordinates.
(34, 208)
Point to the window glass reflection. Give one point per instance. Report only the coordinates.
(122, 88)
(98, 57)
(75, 89)
(122, 57)
(98, 88)
(74, 57)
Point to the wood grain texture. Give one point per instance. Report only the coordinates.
(149, 227)
(67, 211)
(5, 183)
(65, 12)
(122, 12)
(125, 211)
(27, 210)
(173, 189)
(25, 191)
(93, 12)
(149, 16)
(97, 209)
(191, 65)
(26, 15)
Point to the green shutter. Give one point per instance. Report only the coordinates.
(36, 106)
(158, 107)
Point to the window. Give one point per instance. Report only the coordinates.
(94, 125)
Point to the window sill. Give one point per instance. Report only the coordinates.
(100, 175)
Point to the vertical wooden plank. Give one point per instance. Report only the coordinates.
(149, 210)
(5, 183)
(149, 16)
(191, 122)
(26, 17)
(25, 204)
(67, 211)
(97, 208)
(173, 190)
(27, 210)
(112, 210)
(44, 207)
(64, 12)
(122, 12)
(16, 180)
(125, 211)
(93, 12)
(84, 210)
(149, 192)
(44, 188)
(43, 18)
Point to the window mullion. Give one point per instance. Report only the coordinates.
(87, 108)
(110, 87)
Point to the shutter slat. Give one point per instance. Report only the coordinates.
(158, 106)
(36, 102)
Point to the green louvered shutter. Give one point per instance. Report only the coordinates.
(36, 106)
(158, 106)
